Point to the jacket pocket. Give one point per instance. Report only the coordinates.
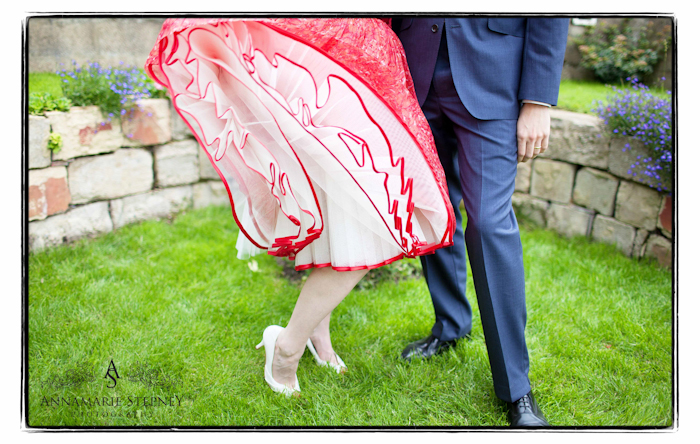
(508, 26)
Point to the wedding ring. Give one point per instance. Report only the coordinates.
(538, 147)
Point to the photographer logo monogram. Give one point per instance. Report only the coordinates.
(139, 373)
(112, 368)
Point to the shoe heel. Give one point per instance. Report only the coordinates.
(269, 340)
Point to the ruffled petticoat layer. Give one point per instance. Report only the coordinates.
(314, 128)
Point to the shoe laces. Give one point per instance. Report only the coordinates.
(524, 403)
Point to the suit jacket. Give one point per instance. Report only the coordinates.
(496, 62)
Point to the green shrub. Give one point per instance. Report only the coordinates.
(55, 142)
(39, 103)
(615, 52)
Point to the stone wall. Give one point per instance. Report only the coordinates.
(108, 175)
(581, 187)
(52, 41)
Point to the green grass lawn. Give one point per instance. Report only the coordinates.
(579, 96)
(582, 96)
(42, 82)
(169, 304)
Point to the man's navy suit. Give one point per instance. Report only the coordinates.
(470, 76)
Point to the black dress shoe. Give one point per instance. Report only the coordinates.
(426, 348)
(525, 413)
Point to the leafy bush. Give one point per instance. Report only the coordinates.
(640, 115)
(55, 142)
(616, 52)
(114, 90)
(39, 103)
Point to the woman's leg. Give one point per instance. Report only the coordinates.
(323, 291)
(321, 338)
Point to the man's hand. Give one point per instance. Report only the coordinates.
(533, 131)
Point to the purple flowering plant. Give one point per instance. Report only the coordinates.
(638, 114)
(115, 90)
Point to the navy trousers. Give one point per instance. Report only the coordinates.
(480, 162)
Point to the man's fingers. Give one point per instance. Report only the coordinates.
(537, 147)
(522, 147)
(526, 149)
(545, 144)
(530, 150)
(533, 131)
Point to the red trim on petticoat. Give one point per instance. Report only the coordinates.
(452, 224)
(285, 245)
(285, 242)
(194, 133)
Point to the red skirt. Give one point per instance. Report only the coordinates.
(315, 130)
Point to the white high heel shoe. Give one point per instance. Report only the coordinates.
(340, 367)
(269, 339)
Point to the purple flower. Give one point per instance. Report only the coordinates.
(642, 116)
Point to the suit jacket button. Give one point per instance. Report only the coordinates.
(434, 28)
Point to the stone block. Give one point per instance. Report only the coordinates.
(127, 171)
(577, 138)
(522, 177)
(206, 170)
(659, 248)
(48, 192)
(637, 205)
(84, 132)
(210, 193)
(613, 232)
(596, 190)
(531, 208)
(639, 240)
(176, 163)
(178, 128)
(39, 130)
(665, 222)
(152, 205)
(85, 221)
(569, 220)
(552, 180)
(148, 123)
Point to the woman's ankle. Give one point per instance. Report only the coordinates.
(324, 348)
(288, 349)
